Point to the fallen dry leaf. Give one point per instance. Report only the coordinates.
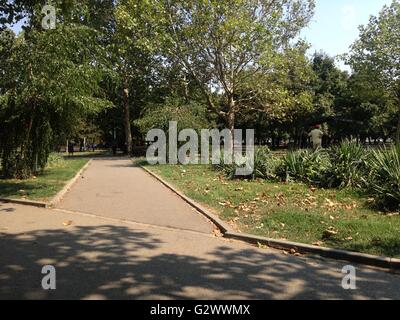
(261, 246)
(318, 243)
(67, 223)
(217, 233)
(330, 203)
(226, 204)
(329, 233)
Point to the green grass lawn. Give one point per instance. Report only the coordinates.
(46, 185)
(295, 212)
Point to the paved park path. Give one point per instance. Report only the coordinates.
(119, 234)
(114, 188)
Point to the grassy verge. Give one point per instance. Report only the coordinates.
(46, 185)
(295, 212)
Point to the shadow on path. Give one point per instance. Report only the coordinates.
(116, 262)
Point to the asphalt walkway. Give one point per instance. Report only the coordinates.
(113, 187)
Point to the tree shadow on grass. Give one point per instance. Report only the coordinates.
(116, 262)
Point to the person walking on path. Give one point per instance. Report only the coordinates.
(316, 137)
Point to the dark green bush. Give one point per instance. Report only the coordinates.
(348, 165)
(383, 182)
(303, 165)
(264, 166)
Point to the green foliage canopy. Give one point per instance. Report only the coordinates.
(51, 81)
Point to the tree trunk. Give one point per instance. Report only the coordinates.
(28, 134)
(127, 122)
(398, 125)
(185, 89)
(231, 119)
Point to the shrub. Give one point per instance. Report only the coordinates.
(264, 166)
(348, 165)
(384, 180)
(303, 165)
(229, 170)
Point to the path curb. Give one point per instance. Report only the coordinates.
(355, 257)
(56, 199)
(25, 202)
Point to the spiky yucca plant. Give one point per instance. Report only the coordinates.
(303, 165)
(384, 180)
(348, 165)
(264, 166)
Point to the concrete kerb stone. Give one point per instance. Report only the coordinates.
(24, 202)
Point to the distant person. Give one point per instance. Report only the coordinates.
(71, 147)
(316, 137)
(114, 148)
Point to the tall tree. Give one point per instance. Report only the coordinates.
(219, 43)
(367, 108)
(134, 66)
(329, 83)
(377, 53)
(282, 97)
(52, 81)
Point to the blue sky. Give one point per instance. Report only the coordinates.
(335, 24)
